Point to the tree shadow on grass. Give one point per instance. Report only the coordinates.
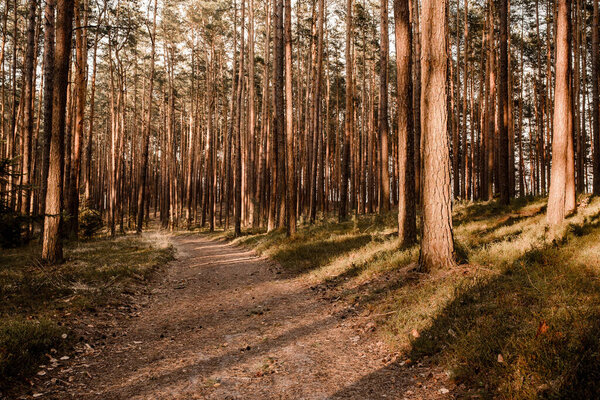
(299, 258)
(482, 210)
(528, 332)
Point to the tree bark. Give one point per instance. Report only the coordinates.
(559, 202)
(278, 192)
(147, 131)
(407, 229)
(52, 244)
(27, 99)
(81, 93)
(503, 105)
(596, 98)
(289, 124)
(384, 128)
(437, 242)
(348, 118)
(49, 19)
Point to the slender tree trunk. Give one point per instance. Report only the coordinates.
(253, 204)
(51, 244)
(407, 229)
(522, 191)
(383, 109)
(349, 118)
(147, 131)
(49, 20)
(596, 98)
(503, 105)
(465, 175)
(90, 141)
(81, 93)
(289, 124)
(262, 172)
(27, 99)
(238, 138)
(491, 110)
(559, 203)
(417, 99)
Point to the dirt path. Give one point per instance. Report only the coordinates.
(226, 324)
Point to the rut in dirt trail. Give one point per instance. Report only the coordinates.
(227, 324)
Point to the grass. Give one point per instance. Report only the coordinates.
(36, 297)
(520, 319)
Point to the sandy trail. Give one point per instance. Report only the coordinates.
(227, 324)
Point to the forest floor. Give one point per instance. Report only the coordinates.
(340, 312)
(225, 323)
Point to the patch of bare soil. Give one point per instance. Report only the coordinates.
(227, 324)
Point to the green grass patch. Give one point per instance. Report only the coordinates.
(23, 344)
(519, 319)
(35, 296)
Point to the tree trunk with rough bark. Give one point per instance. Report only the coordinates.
(52, 243)
(562, 175)
(437, 242)
(407, 229)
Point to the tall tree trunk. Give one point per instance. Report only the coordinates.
(262, 172)
(289, 124)
(465, 171)
(491, 110)
(437, 242)
(417, 98)
(596, 97)
(383, 110)
(562, 175)
(81, 93)
(51, 244)
(27, 99)
(251, 169)
(48, 78)
(210, 158)
(522, 191)
(147, 131)
(348, 118)
(89, 145)
(238, 138)
(407, 229)
(503, 105)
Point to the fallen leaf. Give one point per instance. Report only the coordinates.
(542, 328)
(415, 333)
(500, 358)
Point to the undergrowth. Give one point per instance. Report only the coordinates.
(520, 318)
(36, 296)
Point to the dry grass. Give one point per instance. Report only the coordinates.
(36, 296)
(527, 296)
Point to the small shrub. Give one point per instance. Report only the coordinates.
(90, 222)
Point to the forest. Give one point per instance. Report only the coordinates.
(370, 199)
